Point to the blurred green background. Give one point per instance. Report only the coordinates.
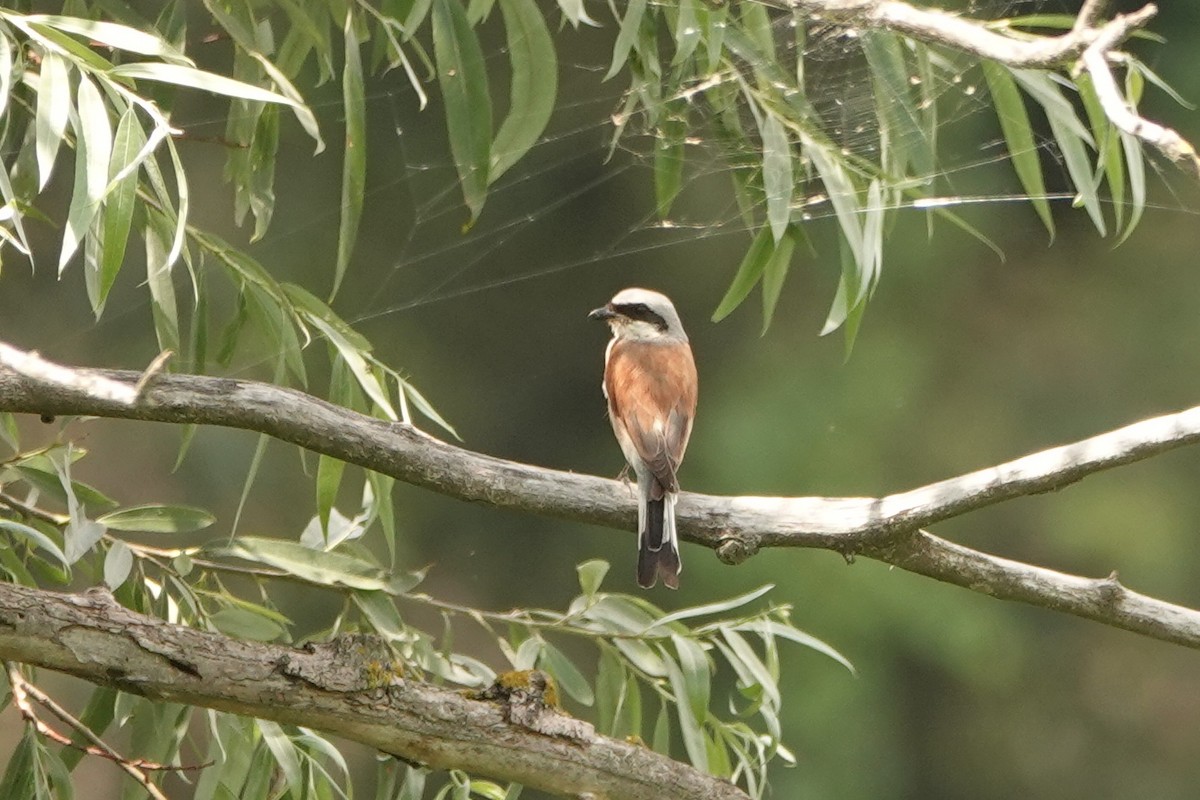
(963, 361)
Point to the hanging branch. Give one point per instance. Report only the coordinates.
(887, 529)
(1091, 44)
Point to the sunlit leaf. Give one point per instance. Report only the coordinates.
(777, 173)
(53, 111)
(318, 566)
(192, 78)
(35, 537)
(121, 37)
(243, 623)
(93, 150)
(117, 564)
(157, 518)
(118, 216)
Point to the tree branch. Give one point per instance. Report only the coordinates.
(330, 687)
(1089, 41)
(885, 528)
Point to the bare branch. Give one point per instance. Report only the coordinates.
(885, 528)
(330, 687)
(22, 689)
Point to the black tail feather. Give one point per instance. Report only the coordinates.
(657, 554)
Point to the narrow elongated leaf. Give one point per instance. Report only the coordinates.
(192, 78)
(748, 273)
(118, 217)
(1018, 134)
(93, 139)
(668, 162)
(462, 76)
(1079, 167)
(569, 678)
(1132, 147)
(775, 272)
(117, 564)
(631, 24)
(157, 518)
(687, 31)
(318, 566)
(534, 86)
(53, 111)
(777, 173)
(690, 726)
(842, 194)
(718, 607)
(158, 280)
(121, 37)
(354, 158)
(6, 69)
(329, 479)
(34, 536)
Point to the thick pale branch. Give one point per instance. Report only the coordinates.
(331, 688)
(885, 528)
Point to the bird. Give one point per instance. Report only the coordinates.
(650, 384)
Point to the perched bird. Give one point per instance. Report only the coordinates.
(650, 384)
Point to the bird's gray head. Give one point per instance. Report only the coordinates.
(641, 314)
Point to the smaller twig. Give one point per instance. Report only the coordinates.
(152, 371)
(1122, 114)
(32, 511)
(21, 692)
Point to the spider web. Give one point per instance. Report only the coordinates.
(593, 201)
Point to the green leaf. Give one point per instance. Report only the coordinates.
(121, 37)
(35, 537)
(775, 272)
(668, 161)
(843, 195)
(749, 271)
(781, 630)
(158, 280)
(1018, 134)
(354, 159)
(284, 751)
(245, 624)
(690, 727)
(97, 716)
(568, 676)
(718, 607)
(631, 24)
(158, 518)
(192, 78)
(687, 31)
(93, 143)
(1132, 147)
(462, 76)
(118, 212)
(575, 13)
(118, 563)
(318, 566)
(777, 173)
(697, 673)
(329, 478)
(534, 86)
(53, 111)
(1079, 166)
(591, 575)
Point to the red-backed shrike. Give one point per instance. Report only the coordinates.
(650, 384)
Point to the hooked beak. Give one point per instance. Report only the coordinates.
(602, 313)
